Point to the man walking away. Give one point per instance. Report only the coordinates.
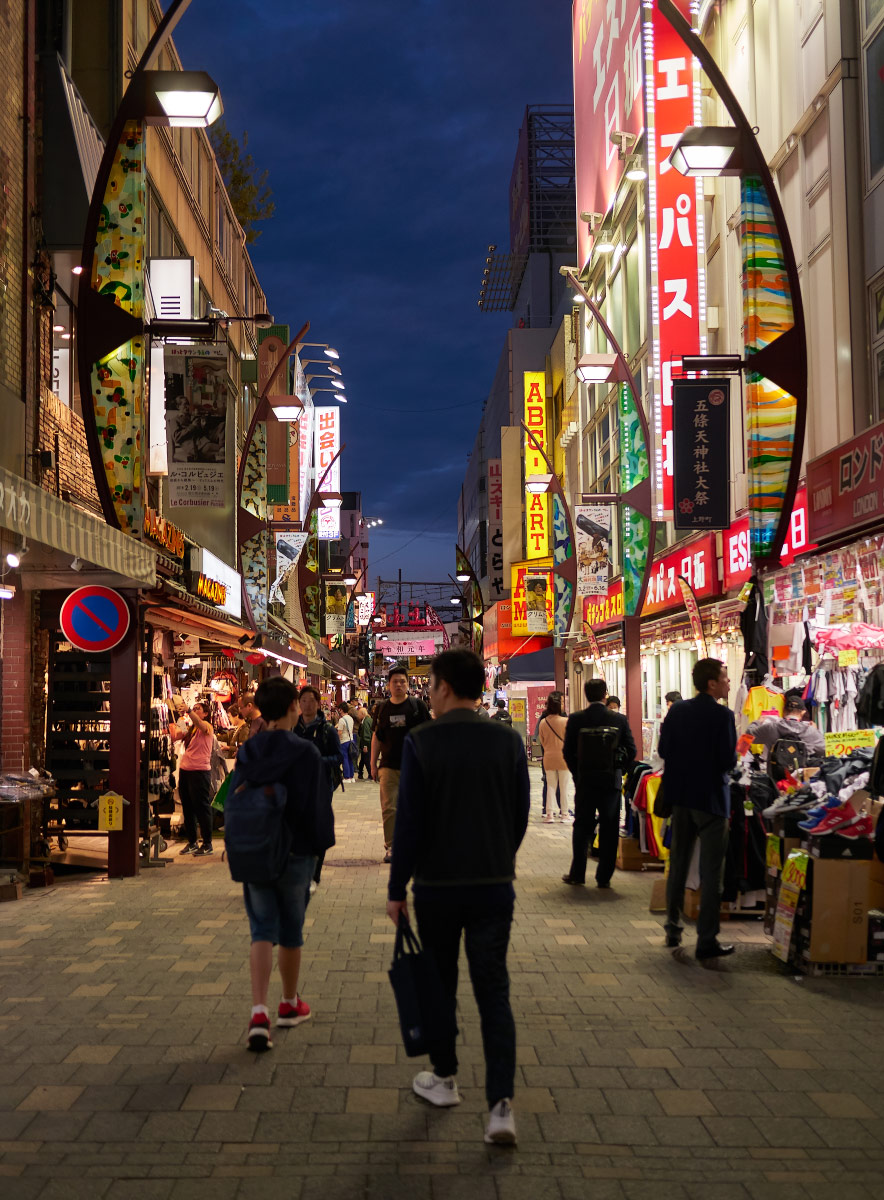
(502, 714)
(462, 772)
(363, 718)
(396, 717)
(599, 747)
(698, 744)
(312, 725)
(276, 910)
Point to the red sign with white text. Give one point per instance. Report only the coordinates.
(847, 485)
(696, 562)
(737, 553)
(672, 227)
(607, 60)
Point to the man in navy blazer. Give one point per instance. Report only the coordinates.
(698, 744)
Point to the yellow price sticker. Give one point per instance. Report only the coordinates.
(110, 812)
(848, 658)
(773, 859)
(795, 869)
(841, 744)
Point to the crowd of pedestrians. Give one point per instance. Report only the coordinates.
(443, 767)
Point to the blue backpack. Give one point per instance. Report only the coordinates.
(257, 838)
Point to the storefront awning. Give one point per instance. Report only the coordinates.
(44, 520)
(532, 668)
(170, 607)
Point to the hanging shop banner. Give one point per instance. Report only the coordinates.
(305, 438)
(602, 610)
(326, 444)
(607, 65)
(672, 103)
(563, 588)
(496, 583)
(365, 608)
(701, 448)
(537, 603)
(288, 551)
(417, 647)
(335, 609)
(846, 485)
(593, 644)
(196, 425)
(536, 506)
(737, 553)
(593, 533)
(635, 527)
(693, 610)
(538, 569)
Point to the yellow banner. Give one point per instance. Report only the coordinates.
(537, 519)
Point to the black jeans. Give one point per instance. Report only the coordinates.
(486, 936)
(595, 803)
(364, 761)
(195, 790)
(688, 824)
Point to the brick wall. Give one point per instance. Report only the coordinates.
(15, 645)
(61, 430)
(12, 195)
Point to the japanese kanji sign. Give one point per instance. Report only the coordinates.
(701, 442)
(674, 232)
(536, 505)
(497, 588)
(327, 442)
(593, 536)
(846, 486)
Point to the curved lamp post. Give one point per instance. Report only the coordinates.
(308, 562)
(466, 577)
(777, 415)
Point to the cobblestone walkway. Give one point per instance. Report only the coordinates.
(123, 1071)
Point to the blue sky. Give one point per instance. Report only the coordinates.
(389, 131)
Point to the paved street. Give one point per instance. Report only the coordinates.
(123, 1070)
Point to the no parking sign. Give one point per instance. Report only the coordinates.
(95, 618)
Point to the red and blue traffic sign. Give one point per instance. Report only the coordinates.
(95, 618)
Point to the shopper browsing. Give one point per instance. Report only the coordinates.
(251, 714)
(195, 778)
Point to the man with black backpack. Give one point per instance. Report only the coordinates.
(598, 748)
(394, 719)
(277, 820)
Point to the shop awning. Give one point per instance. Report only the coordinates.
(72, 152)
(532, 668)
(170, 607)
(44, 520)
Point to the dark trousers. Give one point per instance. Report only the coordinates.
(364, 761)
(195, 790)
(595, 804)
(688, 824)
(486, 938)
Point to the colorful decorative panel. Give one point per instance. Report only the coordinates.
(254, 486)
(772, 413)
(563, 589)
(118, 381)
(636, 538)
(254, 571)
(635, 527)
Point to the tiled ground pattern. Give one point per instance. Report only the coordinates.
(122, 1069)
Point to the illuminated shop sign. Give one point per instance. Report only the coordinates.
(536, 505)
(214, 582)
(164, 533)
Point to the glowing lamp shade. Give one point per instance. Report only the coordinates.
(335, 370)
(456, 600)
(287, 412)
(537, 484)
(190, 99)
(596, 368)
(337, 383)
(331, 499)
(350, 580)
(331, 352)
(708, 150)
(605, 243)
(462, 577)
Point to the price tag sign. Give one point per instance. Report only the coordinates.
(848, 658)
(110, 812)
(841, 744)
(795, 869)
(784, 921)
(773, 859)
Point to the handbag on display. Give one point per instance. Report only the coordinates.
(417, 989)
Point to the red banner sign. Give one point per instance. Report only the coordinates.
(737, 554)
(846, 486)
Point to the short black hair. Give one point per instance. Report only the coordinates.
(499, 703)
(796, 704)
(309, 689)
(397, 670)
(613, 700)
(673, 697)
(463, 671)
(595, 690)
(274, 697)
(706, 671)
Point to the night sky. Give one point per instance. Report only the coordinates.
(389, 131)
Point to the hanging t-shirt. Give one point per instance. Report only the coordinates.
(762, 701)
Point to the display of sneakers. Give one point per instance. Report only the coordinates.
(501, 1127)
(831, 820)
(862, 827)
(259, 1033)
(815, 814)
(441, 1092)
(293, 1014)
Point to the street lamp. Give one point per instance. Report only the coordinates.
(709, 150)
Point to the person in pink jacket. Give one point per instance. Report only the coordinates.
(551, 732)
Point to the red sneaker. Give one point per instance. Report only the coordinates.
(834, 820)
(293, 1014)
(259, 1033)
(862, 827)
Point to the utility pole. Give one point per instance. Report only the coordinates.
(400, 589)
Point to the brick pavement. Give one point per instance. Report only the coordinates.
(123, 1073)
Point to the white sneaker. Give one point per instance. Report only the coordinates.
(441, 1092)
(501, 1127)
(548, 820)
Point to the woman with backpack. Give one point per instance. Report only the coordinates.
(313, 726)
(346, 728)
(551, 731)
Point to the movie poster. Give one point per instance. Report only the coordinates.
(537, 603)
(593, 535)
(196, 425)
(335, 609)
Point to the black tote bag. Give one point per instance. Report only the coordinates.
(417, 988)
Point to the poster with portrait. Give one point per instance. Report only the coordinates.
(593, 536)
(537, 602)
(335, 609)
(196, 425)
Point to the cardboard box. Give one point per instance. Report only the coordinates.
(658, 897)
(10, 891)
(831, 846)
(629, 855)
(876, 884)
(839, 925)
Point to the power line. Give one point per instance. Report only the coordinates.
(420, 533)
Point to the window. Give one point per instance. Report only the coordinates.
(874, 64)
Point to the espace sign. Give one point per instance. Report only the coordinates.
(737, 559)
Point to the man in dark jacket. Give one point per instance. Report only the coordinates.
(276, 910)
(313, 726)
(501, 714)
(698, 743)
(463, 811)
(598, 785)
